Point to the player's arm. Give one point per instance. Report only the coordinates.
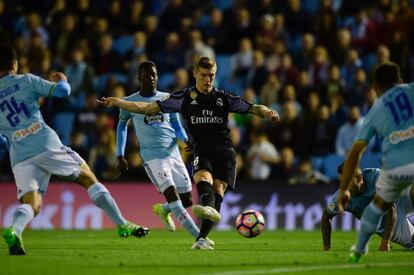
(351, 164)
(326, 229)
(121, 138)
(264, 112)
(390, 221)
(134, 107)
(61, 88)
(178, 128)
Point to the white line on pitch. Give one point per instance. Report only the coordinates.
(307, 268)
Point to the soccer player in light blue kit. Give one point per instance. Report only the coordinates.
(362, 189)
(392, 120)
(157, 134)
(36, 151)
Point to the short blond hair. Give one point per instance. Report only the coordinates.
(204, 62)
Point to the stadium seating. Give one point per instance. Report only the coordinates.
(330, 165)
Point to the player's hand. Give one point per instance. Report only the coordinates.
(108, 101)
(385, 246)
(121, 168)
(188, 146)
(343, 200)
(271, 115)
(57, 76)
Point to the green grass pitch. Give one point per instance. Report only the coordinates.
(161, 252)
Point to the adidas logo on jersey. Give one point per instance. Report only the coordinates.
(194, 102)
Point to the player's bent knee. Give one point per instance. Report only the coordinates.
(203, 175)
(86, 177)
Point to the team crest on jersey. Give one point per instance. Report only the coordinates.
(193, 96)
(219, 102)
(165, 97)
(154, 119)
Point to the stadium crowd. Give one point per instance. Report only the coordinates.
(310, 60)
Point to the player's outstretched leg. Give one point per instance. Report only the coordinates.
(369, 222)
(101, 197)
(164, 212)
(14, 241)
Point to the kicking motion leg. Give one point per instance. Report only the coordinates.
(101, 197)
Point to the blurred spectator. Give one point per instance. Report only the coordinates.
(321, 134)
(173, 12)
(287, 167)
(171, 57)
(81, 75)
(217, 33)
(196, 49)
(117, 17)
(260, 156)
(348, 131)
(307, 175)
(106, 60)
(297, 19)
(135, 17)
(349, 69)
(64, 38)
(34, 26)
(303, 88)
(266, 33)
(288, 95)
(289, 131)
(269, 93)
(181, 80)
(319, 69)
(306, 54)
(155, 36)
(325, 25)
(85, 14)
(341, 47)
(369, 100)
(257, 73)
(102, 156)
(287, 72)
(356, 95)
(242, 27)
(242, 60)
(334, 86)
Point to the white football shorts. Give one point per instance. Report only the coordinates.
(168, 172)
(33, 174)
(392, 182)
(404, 231)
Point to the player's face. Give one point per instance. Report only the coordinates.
(148, 79)
(205, 79)
(357, 185)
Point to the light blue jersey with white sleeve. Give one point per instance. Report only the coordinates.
(392, 120)
(20, 119)
(155, 132)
